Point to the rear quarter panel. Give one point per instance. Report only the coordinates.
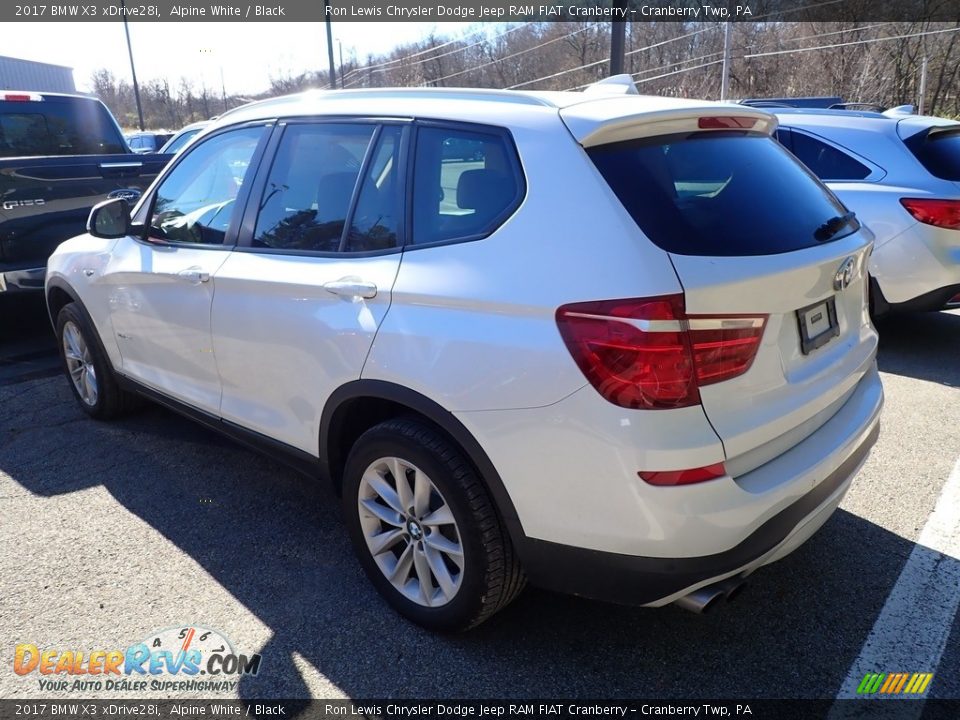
(472, 325)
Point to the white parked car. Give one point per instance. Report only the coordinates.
(183, 136)
(901, 174)
(617, 346)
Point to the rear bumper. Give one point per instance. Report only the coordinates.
(632, 580)
(919, 269)
(22, 280)
(939, 299)
(772, 511)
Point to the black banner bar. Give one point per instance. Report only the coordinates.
(892, 708)
(474, 11)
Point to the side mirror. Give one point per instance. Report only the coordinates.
(110, 219)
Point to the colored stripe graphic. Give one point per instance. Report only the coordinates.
(894, 683)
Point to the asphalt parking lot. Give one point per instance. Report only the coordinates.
(109, 532)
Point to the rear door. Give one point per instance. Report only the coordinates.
(754, 238)
(300, 300)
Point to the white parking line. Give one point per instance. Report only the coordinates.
(911, 631)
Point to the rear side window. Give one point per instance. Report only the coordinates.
(307, 197)
(939, 153)
(825, 161)
(466, 183)
(50, 127)
(720, 194)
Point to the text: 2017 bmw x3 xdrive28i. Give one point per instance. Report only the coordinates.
(620, 348)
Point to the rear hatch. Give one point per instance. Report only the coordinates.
(760, 246)
(935, 142)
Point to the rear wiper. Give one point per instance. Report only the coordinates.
(832, 226)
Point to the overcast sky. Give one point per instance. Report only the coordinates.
(248, 53)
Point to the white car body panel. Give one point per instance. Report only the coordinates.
(284, 343)
(458, 314)
(593, 498)
(783, 387)
(160, 311)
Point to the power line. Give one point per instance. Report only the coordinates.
(516, 54)
(852, 42)
(677, 72)
(666, 42)
(416, 54)
(558, 74)
(485, 39)
(673, 63)
(836, 32)
(601, 62)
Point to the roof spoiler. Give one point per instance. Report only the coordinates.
(613, 85)
(900, 111)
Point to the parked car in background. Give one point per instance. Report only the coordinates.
(148, 141)
(59, 156)
(176, 143)
(901, 174)
(615, 345)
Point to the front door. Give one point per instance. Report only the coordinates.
(161, 285)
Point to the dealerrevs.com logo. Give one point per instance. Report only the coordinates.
(180, 659)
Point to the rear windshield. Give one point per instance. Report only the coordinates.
(57, 127)
(721, 193)
(939, 153)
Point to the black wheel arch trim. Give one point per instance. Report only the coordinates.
(330, 426)
(60, 284)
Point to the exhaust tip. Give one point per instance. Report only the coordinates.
(731, 587)
(700, 601)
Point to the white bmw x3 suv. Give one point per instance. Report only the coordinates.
(613, 345)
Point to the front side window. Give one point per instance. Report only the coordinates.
(195, 202)
(465, 184)
(311, 183)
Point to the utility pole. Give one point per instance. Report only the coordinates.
(617, 40)
(223, 89)
(923, 86)
(333, 71)
(340, 48)
(725, 74)
(133, 70)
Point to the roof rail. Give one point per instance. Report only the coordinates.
(868, 106)
(453, 93)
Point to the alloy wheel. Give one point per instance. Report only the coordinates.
(410, 531)
(83, 374)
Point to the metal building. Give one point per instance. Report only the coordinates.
(17, 74)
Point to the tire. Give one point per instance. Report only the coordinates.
(88, 370)
(459, 592)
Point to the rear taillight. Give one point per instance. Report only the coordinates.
(683, 477)
(21, 97)
(941, 213)
(647, 353)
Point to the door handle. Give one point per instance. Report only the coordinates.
(351, 287)
(194, 275)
